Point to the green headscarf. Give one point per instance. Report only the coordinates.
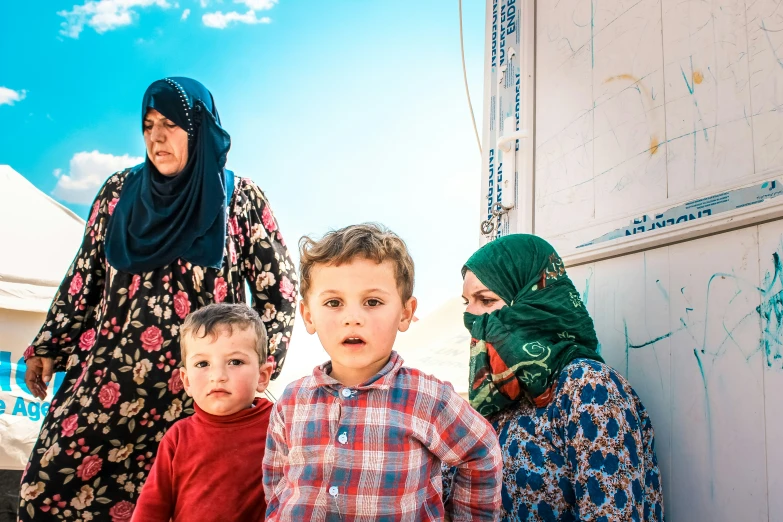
(522, 348)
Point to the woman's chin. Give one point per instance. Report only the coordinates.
(167, 170)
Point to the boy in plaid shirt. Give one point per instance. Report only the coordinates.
(363, 437)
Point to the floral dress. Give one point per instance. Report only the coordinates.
(588, 455)
(115, 334)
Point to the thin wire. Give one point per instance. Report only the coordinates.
(465, 77)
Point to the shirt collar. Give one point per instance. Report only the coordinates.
(381, 380)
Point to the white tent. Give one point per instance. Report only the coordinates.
(439, 345)
(38, 240)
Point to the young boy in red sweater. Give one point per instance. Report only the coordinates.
(208, 466)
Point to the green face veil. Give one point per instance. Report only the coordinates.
(521, 349)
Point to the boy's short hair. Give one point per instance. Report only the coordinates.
(369, 241)
(223, 317)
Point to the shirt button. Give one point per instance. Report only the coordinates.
(343, 438)
(346, 392)
(333, 491)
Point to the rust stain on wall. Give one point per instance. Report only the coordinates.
(654, 144)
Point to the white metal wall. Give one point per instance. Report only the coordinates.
(696, 328)
(639, 106)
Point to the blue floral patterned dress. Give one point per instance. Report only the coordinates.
(588, 455)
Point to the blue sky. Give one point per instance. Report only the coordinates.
(342, 111)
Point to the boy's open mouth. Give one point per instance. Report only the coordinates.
(354, 341)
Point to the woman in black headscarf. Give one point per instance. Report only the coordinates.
(164, 238)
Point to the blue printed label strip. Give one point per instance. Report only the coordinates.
(696, 209)
(504, 94)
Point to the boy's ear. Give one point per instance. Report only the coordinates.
(264, 373)
(183, 375)
(409, 308)
(307, 317)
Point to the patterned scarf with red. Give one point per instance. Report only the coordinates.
(520, 350)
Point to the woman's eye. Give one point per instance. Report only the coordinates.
(487, 302)
(147, 127)
(332, 303)
(170, 124)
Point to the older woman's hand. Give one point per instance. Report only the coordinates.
(38, 374)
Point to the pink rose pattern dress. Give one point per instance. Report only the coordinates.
(115, 334)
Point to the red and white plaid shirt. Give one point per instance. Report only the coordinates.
(374, 451)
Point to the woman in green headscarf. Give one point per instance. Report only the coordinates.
(577, 442)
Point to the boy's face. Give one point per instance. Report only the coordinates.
(356, 310)
(223, 374)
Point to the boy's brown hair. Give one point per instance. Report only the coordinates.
(214, 319)
(369, 241)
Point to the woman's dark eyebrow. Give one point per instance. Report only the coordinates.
(147, 119)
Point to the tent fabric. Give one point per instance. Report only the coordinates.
(39, 239)
(439, 344)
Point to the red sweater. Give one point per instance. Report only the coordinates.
(208, 469)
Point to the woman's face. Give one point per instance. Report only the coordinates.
(478, 298)
(167, 144)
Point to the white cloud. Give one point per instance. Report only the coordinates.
(257, 5)
(204, 3)
(10, 96)
(218, 20)
(103, 15)
(88, 171)
(185, 14)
